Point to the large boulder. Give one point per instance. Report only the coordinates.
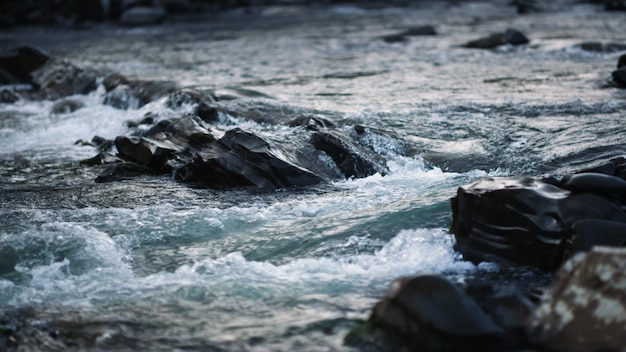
(530, 221)
(428, 313)
(585, 310)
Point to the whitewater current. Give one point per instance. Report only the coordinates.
(153, 264)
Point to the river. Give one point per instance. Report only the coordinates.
(153, 264)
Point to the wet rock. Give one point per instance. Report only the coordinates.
(18, 65)
(523, 220)
(206, 112)
(66, 106)
(585, 309)
(410, 32)
(428, 313)
(125, 93)
(619, 76)
(58, 78)
(592, 232)
(510, 36)
(615, 5)
(149, 152)
(600, 47)
(148, 119)
(351, 159)
(189, 96)
(143, 15)
(621, 62)
(242, 159)
(123, 171)
(311, 122)
(526, 6)
(8, 97)
(100, 159)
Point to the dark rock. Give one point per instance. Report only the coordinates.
(590, 233)
(148, 119)
(510, 36)
(350, 159)
(526, 6)
(594, 183)
(101, 143)
(188, 96)
(359, 129)
(149, 152)
(410, 32)
(59, 78)
(521, 219)
(619, 76)
(428, 313)
(206, 113)
(241, 158)
(124, 93)
(621, 62)
(394, 38)
(311, 122)
(123, 171)
(101, 158)
(143, 15)
(615, 5)
(7, 96)
(600, 47)
(585, 310)
(66, 106)
(18, 65)
(607, 168)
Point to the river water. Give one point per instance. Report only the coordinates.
(152, 264)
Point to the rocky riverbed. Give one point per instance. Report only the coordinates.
(227, 177)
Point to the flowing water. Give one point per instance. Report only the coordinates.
(152, 264)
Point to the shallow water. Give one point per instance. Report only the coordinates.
(151, 264)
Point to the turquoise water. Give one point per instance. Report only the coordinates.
(151, 264)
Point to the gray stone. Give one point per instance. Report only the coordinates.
(585, 309)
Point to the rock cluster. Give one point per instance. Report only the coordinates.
(540, 222)
(584, 310)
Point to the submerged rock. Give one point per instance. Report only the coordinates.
(125, 93)
(66, 106)
(600, 47)
(410, 32)
(510, 36)
(428, 313)
(619, 76)
(525, 220)
(585, 310)
(58, 78)
(349, 157)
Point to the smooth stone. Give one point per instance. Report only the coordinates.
(311, 122)
(593, 232)
(428, 313)
(600, 47)
(621, 62)
(594, 183)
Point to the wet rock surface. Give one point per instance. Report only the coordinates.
(539, 222)
(510, 36)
